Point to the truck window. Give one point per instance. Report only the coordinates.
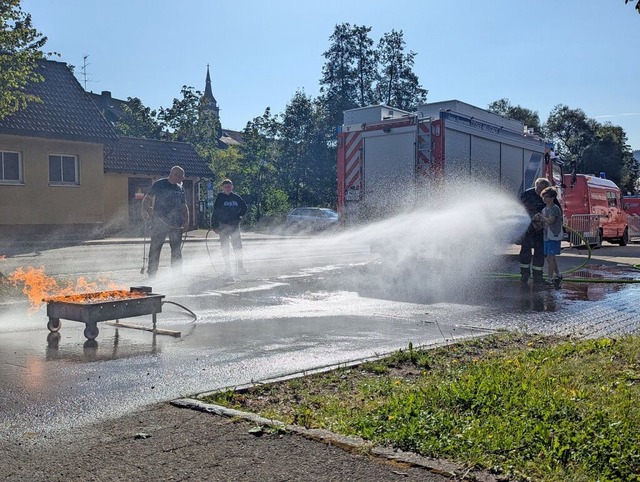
(611, 197)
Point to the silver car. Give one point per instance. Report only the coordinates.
(312, 219)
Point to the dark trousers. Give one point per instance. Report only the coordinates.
(230, 235)
(159, 233)
(532, 263)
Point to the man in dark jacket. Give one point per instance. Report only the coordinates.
(165, 212)
(533, 237)
(228, 210)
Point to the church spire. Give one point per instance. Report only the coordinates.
(208, 97)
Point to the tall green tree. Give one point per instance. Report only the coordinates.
(591, 147)
(305, 166)
(571, 132)
(366, 61)
(398, 85)
(138, 120)
(260, 150)
(20, 48)
(610, 153)
(338, 85)
(528, 117)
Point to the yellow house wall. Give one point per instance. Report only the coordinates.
(35, 201)
(116, 192)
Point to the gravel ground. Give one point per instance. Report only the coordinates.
(165, 442)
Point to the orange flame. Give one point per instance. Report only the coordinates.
(39, 288)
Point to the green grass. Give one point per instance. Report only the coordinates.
(523, 406)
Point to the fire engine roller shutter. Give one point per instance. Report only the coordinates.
(389, 166)
(467, 155)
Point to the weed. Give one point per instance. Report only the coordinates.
(545, 408)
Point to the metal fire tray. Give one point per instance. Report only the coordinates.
(91, 312)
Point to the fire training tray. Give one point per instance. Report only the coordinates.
(90, 313)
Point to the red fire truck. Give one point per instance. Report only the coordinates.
(594, 207)
(632, 206)
(382, 149)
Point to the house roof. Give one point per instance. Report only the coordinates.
(110, 107)
(230, 138)
(151, 156)
(66, 111)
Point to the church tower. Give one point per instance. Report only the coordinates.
(208, 99)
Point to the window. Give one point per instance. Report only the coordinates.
(63, 169)
(611, 197)
(10, 167)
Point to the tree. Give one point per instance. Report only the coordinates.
(305, 166)
(339, 82)
(528, 117)
(609, 153)
(260, 149)
(398, 85)
(570, 131)
(20, 45)
(189, 120)
(591, 147)
(637, 4)
(138, 121)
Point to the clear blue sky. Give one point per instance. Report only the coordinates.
(581, 53)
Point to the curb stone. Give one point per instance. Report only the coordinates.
(348, 443)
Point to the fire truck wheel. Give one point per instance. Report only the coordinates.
(624, 240)
(54, 324)
(91, 332)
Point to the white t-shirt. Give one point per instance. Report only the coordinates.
(553, 231)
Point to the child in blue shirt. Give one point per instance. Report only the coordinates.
(553, 234)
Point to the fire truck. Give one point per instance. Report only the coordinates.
(382, 150)
(632, 206)
(594, 207)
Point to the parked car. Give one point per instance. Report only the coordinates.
(311, 219)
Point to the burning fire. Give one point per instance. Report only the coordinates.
(41, 288)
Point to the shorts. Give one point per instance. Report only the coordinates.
(552, 248)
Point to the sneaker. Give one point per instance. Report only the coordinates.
(557, 282)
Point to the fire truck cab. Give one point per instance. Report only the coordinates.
(593, 206)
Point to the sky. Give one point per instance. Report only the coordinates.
(579, 53)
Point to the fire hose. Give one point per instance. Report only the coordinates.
(577, 268)
(195, 317)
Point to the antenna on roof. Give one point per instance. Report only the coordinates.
(85, 76)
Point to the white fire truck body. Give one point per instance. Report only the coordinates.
(389, 159)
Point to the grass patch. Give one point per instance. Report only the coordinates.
(525, 406)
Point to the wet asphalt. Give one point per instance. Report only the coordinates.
(303, 306)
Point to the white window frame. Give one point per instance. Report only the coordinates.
(76, 170)
(20, 179)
